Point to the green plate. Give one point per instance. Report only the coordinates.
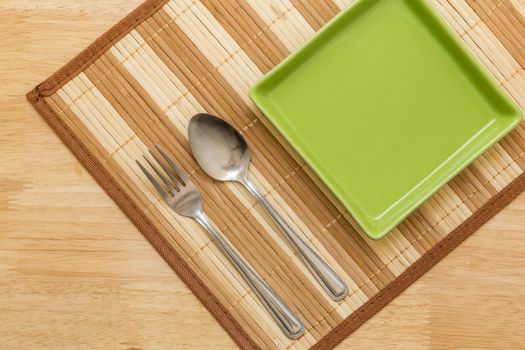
(386, 106)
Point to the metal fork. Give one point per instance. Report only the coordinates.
(182, 196)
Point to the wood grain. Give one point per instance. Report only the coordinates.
(75, 273)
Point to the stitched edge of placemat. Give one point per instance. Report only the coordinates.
(99, 46)
(150, 232)
(423, 264)
(232, 327)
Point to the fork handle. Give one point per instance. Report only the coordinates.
(329, 280)
(289, 323)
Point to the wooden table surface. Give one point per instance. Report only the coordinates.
(76, 274)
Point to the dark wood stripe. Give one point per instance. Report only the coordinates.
(410, 234)
(350, 240)
(506, 23)
(316, 12)
(249, 31)
(185, 59)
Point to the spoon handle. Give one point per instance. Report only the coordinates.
(324, 274)
(289, 323)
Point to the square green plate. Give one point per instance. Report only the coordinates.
(386, 106)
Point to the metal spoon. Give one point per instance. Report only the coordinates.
(224, 155)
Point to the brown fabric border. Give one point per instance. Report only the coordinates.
(99, 46)
(425, 263)
(165, 250)
(37, 98)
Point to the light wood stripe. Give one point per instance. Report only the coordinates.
(519, 6)
(194, 56)
(285, 21)
(225, 55)
(260, 44)
(481, 41)
(505, 22)
(343, 4)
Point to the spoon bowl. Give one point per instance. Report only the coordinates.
(219, 148)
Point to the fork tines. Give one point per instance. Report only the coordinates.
(173, 177)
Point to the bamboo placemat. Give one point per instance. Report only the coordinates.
(141, 82)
